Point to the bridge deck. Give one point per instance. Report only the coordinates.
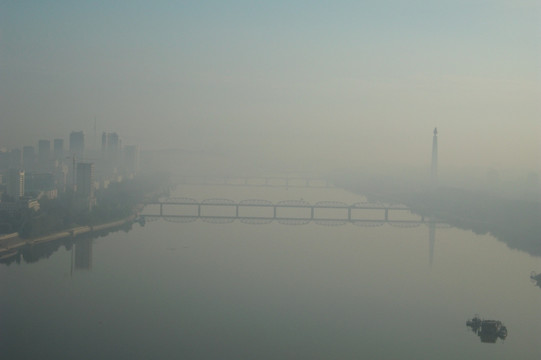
(341, 211)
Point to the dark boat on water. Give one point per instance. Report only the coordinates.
(488, 330)
(536, 278)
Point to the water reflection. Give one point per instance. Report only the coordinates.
(83, 254)
(80, 246)
(431, 242)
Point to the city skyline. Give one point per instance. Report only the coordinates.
(330, 85)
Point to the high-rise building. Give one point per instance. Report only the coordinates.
(77, 144)
(85, 179)
(16, 158)
(15, 183)
(4, 160)
(111, 146)
(131, 159)
(29, 158)
(44, 154)
(58, 149)
(111, 143)
(85, 184)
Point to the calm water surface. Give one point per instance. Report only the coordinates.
(238, 291)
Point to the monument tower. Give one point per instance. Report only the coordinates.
(434, 167)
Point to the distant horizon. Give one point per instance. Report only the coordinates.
(331, 84)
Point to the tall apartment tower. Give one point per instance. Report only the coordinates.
(77, 144)
(111, 146)
(131, 159)
(434, 167)
(58, 149)
(15, 183)
(16, 158)
(44, 154)
(85, 179)
(85, 183)
(29, 158)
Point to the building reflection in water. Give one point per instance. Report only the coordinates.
(431, 241)
(82, 254)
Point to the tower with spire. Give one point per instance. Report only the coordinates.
(434, 167)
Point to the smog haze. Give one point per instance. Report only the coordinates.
(317, 84)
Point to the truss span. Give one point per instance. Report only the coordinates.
(293, 221)
(218, 220)
(331, 222)
(333, 204)
(181, 200)
(404, 225)
(299, 203)
(256, 221)
(366, 204)
(218, 201)
(256, 202)
(180, 219)
(368, 223)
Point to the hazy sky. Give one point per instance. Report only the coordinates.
(340, 82)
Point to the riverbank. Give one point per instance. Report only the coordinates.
(516, 222)
(10, 244)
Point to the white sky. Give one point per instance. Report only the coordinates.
(342, 83)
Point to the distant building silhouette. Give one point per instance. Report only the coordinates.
(44, 154)
(15, 183)
(434, 167)
(15, 159)
(29, 158)
(58, 149)
(85, 183)
(111, 146)
(131, 159)
(77, 144)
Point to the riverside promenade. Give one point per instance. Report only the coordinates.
(11, 243)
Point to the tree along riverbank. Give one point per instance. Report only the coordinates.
(63, 218)
(9, 246)
(517, 222)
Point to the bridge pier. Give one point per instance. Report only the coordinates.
(349, 214)
(274, 212)
(386, 214)
(199, 210)
(161, 209)
(312, 213)
(237, 210)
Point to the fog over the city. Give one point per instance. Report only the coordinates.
(303, 84)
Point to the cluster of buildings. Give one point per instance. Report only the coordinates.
(53, 167)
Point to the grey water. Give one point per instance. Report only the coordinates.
(199, 290)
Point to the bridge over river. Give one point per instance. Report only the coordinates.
(257, 181)
(258, 211)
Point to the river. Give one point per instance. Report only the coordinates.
(239, 291)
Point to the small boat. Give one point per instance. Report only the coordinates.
(475, 322)
(488, 330)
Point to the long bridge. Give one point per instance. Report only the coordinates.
(257, 181)
(260, 211)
